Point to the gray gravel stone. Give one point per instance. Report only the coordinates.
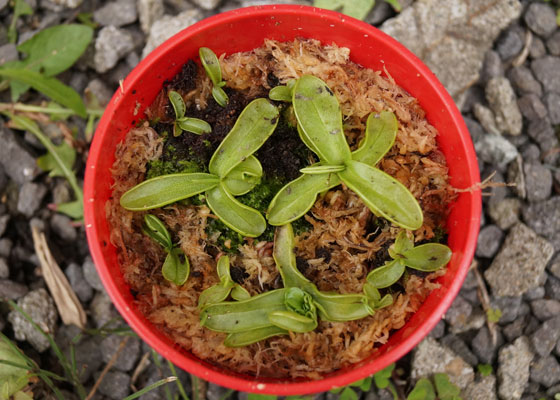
(531, 106)
(486, 118)
(116, 13)
(380, 12)
(505, 213)
(537, 48)
(439, 330)
(459, 347)
(546, 371)
(510, 43)
(100, 90)
(520, 263)
(149, 11)
(115, 385)
(495, 150)
(62, 226)
(545, 337)
(88, 358)
(12, 290)
(4, 220)
(167, 26)
(430, 357)
(18, 164)
(475, 129)
(513, 369)
(30, 198)
(554, 266)
(8, 52)
(483, 347)
(509, 307)
(3, 4)
(543, 133)
(547, 71)
(503, 102)
(552, 102)
(489, 241)
(40, 307)
(523, 80)
(459, 312)
(515, 329)
(102, 310)
(127, 359)
(534, 294)
(215, 392)
(91, 275)
(538, 182)
(482, 389)
(545, 309)
(553, 44)
(492, 66)
(79, 284)
(5, 247)
(516, 175)
(552, 288)
(544, 218)
(207, 4)
(530, 152)
(111, 45)
(4, 269)
(540, 18)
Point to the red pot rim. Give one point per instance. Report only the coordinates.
(257, 385)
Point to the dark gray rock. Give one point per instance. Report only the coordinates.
(486, 118)
(18, 164)
(546, 371)
(380, 12)
(537, 48)
(459, 312)
(4, 269)
(62, 226)
(8, 52)
(111, 45)
(538, 182)
(553, 44)
(534, 294)
(91, 275)
(515, 329)
(439, 330)
(483, 347)
(474, 128)
(102, 310)
(503, 102)
(12, 290)
(524, 308)
(552, 102)
(40, 307)
(544, 218)
(4, 219)
(520, 263)
(510, 43)
(471, 296)
(215, 392)
(30, 198)
(116, 13)
(532, 325)
(495, 150)
(88, 358)
(61, 193)
(459, 347)
(489, 241)
(552, 288)
(115, 385)
(547, 71)
(531, 107)
(76, 278)
(100, 90)
(541, 19)
(530, 153)
(505, 213)
(128, 356)
(492, 66)
(545, 309)
(5, 247)
(523, 80)
(544, 339)
(514, 361)
(509, 307)
(3, 180)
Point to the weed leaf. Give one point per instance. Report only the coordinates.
(66, 154)
(74, 209)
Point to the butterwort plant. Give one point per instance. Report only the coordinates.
(183, 123)
(319, 122)
(211, 65)
(220, 291)
(233, 171)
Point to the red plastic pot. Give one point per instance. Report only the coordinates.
(242, 30)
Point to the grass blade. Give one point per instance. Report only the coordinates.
(151, 387)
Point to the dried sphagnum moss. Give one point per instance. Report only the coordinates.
(340, 221)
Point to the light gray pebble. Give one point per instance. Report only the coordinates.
(547, 71)
(18, 164)
(3, 4)
(62, 226)
(91, 275)
(546, 371)
(75, 276)
(207, 4)
(40, 307)
(489, 241)
(495, 150)
(459, 312)
(505, 213)
(524, 309)
(523, 80)
(111, 45)
(510, 43)
(149, 11)
(486, 118)
(491, 67)
(128, 356)
(538, 182)
(100, 90)
(30, 198)
(115, 385)
(116, 13)
(4, 269)
(12, 290)
(503, 103)
(471, 296)
(544, 218)
(61, 192)
(541, 19)
(482, 389)
(544, 339)
(102, 310)
(552, 101)
(514, 361)
(531, 106)
(554, 266)
(545, 309)
(8, 52)
(483, 346)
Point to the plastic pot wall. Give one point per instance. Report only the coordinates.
(242, 30)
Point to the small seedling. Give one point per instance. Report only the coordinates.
(220, 291)
(427, 257)
(182, 123)
(357, 8)
(211, 65)
(485, 369)
(424, 390)
(234, 171)
(176, 267)
(319, 120)
(494, 315)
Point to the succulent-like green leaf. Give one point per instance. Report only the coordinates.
(386, 275)
(178, 104)
(341, 307)
(244, 177)
(318, 169)
(283, 93)
(252, 128)
(194, 125)
(300, 302)
(167, 189)
(427, 257)
(445, 389)
(12, 379)
(292, 321)
(246, 338)
(318, 113)
(383, 194)
(66, 154)
(386, 301)
(371, 292)
(402, 244)
(155, 228)
(298, 196)
(220, 96)
(239, 316)
(214, 294)
(239, 293)
(211, 65)
(380, 134)
(174, 268)
(423, 390)
(239, 217)
(285, 258)
(222, 268)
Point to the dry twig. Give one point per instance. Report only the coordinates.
(484, 298)
(110, 364)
